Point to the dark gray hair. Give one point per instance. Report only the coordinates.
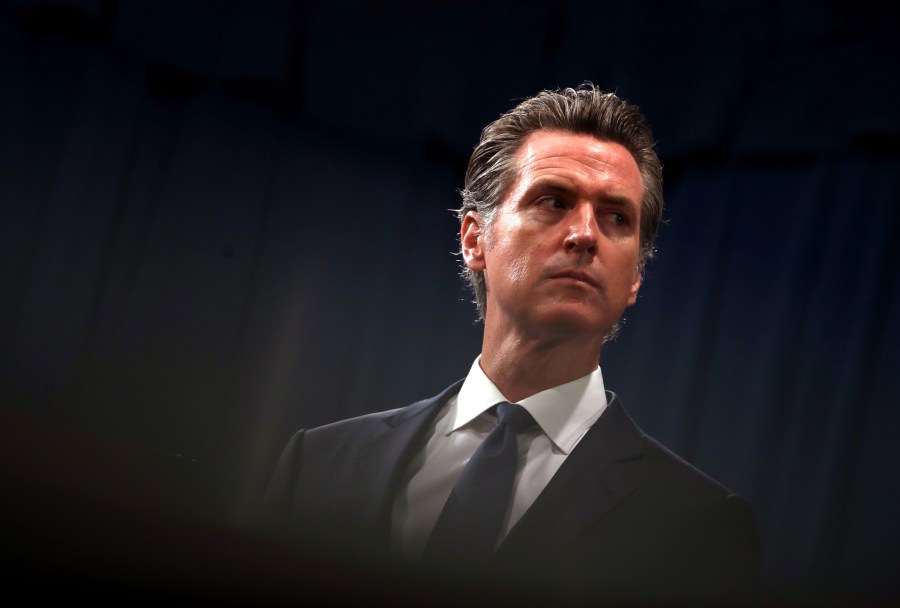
(582, 110)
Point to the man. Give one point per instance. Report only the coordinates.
(561, 204)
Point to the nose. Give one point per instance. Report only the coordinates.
(583, 229)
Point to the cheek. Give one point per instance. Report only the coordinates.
(508, 263)
(517, 270)
(510, 252)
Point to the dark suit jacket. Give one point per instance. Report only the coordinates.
(623, 518)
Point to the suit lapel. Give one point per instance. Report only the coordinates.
(602, 471)
(383, 460)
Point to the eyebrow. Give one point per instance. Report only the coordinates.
(552, 183)
(562, 185)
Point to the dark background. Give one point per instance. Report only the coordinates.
(223, 221)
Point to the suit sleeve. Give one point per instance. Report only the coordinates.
(721, 565)
(273, 514)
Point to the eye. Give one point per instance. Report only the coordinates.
(616, 219)
(551, 202)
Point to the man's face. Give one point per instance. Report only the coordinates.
(560, 257)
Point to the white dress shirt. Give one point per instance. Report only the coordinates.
(563, 414)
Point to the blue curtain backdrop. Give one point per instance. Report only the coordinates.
(222, 222)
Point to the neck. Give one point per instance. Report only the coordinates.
(520, 365)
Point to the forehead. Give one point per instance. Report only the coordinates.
(546, 150)
(580, 158)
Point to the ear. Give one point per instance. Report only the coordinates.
(635, 286)
(472, 241)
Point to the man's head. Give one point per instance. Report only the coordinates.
(585, 110)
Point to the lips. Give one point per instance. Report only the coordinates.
(577, 275)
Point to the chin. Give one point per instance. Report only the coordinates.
(574, 320)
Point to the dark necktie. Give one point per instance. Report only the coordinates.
(469, 524)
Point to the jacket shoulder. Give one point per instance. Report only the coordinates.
(664, 465)
(316, 457)
(359, 427)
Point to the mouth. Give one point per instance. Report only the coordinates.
(577, 275)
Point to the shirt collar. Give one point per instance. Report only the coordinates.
(563, 412)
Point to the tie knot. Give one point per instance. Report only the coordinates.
(515, 416)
